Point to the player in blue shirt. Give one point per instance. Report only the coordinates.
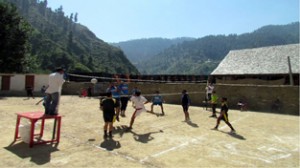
(124, 94)
(157, 100)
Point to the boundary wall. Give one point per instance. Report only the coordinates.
(257, 97)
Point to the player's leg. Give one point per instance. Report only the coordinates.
(152, 107)
(214, 110)
(110, 128)
(162, 109)
(105, 127)
(226, 120)
(218, 121)
(118, 108)
(132, 119)
(228, 123)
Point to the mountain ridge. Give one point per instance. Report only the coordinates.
(202, 55)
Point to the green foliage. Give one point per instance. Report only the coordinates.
(14, 46)
(203, 55)
(57, 40)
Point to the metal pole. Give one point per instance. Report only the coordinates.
(290, 72)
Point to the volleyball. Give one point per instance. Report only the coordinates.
(94, 80)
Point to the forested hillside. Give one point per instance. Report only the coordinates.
(58, 40)
(142, 49)
(202, 56)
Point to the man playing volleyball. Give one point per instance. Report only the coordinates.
(139, 102)
(108, 106)
(157, 100)
(224, 115)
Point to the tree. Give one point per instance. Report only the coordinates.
(14, 35)
(76, 17)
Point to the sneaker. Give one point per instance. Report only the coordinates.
(232, 131)
(213, 116)
(215, 128)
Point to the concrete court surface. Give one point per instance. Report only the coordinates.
(262, 139)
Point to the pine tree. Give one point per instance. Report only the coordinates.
(14, 34)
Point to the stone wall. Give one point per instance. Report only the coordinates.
(258, 97)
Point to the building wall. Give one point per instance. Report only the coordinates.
(17, 81)
(40, 80)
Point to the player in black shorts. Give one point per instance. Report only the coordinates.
(224, 115)
(185, 102)
(108, 106)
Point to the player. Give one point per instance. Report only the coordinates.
(139, 102)
(157, 100)
(224, 115)
(185, 102)
(108, 106)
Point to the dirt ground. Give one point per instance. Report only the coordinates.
(262, 139)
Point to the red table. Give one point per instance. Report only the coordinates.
(34, 117)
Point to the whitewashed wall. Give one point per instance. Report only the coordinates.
(40, 80)
(17, 81)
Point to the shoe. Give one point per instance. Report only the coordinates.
(105, 136)
(118, 119)
(129, 129)
(213, 116)
(232, 131)
(215, 128)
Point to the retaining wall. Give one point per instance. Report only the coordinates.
(257, 97)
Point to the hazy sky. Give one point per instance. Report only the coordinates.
(122, 20)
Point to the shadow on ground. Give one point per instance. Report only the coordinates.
(144, 138)
(110, 144)
(234, 135)
(40, 154)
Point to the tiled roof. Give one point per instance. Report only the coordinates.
(265, 60)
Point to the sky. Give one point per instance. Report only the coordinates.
(123, 20)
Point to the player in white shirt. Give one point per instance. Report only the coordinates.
(139, 102)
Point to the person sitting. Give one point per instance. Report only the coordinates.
(242, 105)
